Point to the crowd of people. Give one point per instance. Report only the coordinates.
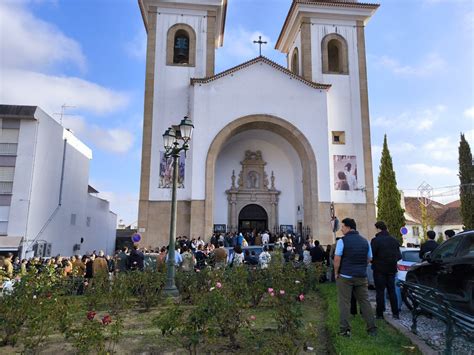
(347, 261)
(223, 250)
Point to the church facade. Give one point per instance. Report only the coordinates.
(272, 146)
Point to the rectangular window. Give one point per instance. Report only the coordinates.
(416, 231)
(9, 135)
(3, 227)
(6, 187)
(338, 137)
(88, 221)
(7, 173)
(73, 219)
(8, 148)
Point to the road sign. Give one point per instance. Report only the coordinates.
(136, 238)
(404, 230)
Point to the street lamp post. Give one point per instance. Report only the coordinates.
(173, 146)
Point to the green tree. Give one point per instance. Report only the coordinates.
(466, 179)
(427, 222)
(388, 200)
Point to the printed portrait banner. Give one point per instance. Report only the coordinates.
(345, 173)
(166, 171)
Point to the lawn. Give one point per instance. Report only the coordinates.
(388, 340)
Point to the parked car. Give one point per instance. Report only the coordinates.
(410, 256)
(449, 269)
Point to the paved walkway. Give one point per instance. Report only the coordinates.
(430, 331)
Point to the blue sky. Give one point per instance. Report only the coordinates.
(91, 54)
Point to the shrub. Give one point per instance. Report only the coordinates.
(147, 286)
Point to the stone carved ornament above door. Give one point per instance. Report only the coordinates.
(252, 187)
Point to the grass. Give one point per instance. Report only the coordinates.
(387, 341)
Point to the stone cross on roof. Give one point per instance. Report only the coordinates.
(260, 42)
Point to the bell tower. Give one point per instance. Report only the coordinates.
(182, 36)
(324, 41)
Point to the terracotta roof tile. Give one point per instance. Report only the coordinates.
(257, 60)
(439, 214)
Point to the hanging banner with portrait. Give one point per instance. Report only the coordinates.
(166, 171)
(345, 173)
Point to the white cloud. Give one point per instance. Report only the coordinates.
(115, 140)
(124, 204)
(429, 170)
(50, 92)
(420, 120)
(136, 48)
(31, 50)
(442, 148)
(430, 64)
(469, 113)
(32, 43)
(241, 47)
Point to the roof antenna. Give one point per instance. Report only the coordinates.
(62, 113)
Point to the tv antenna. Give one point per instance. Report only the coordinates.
(62, 113)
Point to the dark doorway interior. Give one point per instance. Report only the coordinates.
(253, 217)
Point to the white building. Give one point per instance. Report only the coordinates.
(46, 204)
(272, 146)
(439, 218)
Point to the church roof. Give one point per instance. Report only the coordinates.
(265, 60)
(326, 3)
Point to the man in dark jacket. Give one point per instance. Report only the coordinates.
(352, 254)
(429, 245)
(137, 259)
(317, 253)
(386, 253)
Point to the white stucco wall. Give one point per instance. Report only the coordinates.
(258, 89)
(344, 110)
(172, 93)
(37, 213)
(281, 158)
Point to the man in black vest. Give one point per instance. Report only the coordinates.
(429, 245)
(352, 255)
(386, 253)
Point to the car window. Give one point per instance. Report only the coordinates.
(447, 249)
(467, 247)
(412, 255)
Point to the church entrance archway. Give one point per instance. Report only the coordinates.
(293, 136)
(253, 217)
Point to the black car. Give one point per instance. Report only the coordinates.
(450, 269)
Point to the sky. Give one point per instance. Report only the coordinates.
(90, 54)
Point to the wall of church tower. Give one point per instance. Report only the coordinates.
(171, 91)
(344, 102)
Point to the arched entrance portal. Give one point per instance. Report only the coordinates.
(294, 137)
(253, 217)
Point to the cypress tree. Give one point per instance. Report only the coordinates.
(466, 179)
(388, 200)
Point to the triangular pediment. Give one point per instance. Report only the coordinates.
(257, 60)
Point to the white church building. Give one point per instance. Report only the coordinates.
(47, 206)
(272, 146)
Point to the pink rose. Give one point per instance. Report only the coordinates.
(197, 270)
(301, 297)
(91, 315)
(282, 292)
(252, 317)
(106, 320)
(218, 285)
(270, 290)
